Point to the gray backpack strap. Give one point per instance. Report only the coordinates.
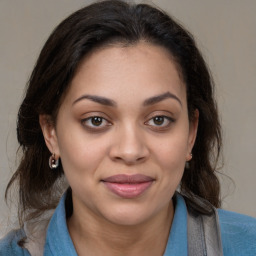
(204, 237)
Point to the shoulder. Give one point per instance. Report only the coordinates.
(238, 233)
(9, 244)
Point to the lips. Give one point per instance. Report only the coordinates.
(128, 186)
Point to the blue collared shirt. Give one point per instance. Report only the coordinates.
(238, 233)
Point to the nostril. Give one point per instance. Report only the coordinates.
(129, 160)
(140, 158)
(130, 149)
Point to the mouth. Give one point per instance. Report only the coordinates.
(128, 186)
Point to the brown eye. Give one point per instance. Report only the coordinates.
(95, 123)
(158, 120)
(96, 120)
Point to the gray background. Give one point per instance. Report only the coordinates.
(226, 34)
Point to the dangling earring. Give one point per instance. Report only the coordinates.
(53, 162)
(187, 166)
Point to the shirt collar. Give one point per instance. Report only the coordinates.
(58, 240)
(177, 241)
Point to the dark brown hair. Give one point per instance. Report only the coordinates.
(81, 33)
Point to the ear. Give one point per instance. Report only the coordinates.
(193, 126)
(49, 133)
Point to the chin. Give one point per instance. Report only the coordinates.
(129, 215)
(128, 220)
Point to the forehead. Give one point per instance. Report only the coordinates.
(140, 70)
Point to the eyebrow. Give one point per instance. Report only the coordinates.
(108, 102)
(155, 99)
(98, 99)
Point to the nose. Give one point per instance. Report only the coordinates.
(129, 146)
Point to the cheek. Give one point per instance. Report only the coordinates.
(171, 159)
(171, 152)
(80, 162)
(80, 155)
(170, 155)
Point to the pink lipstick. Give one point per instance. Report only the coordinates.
(128, 186)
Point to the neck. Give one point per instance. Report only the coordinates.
(97, 237)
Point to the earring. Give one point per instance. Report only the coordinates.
(187, 165)
(53, 162)
(190, 157)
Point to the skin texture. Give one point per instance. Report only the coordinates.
(128, 140)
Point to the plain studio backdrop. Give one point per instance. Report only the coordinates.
(225, 31)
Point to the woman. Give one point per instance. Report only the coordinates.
(120, 105)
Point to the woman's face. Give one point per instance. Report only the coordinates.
(123, 133)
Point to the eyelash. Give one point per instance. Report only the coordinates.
(167, 121)
(95, 128)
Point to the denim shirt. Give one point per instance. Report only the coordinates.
(238, 234)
